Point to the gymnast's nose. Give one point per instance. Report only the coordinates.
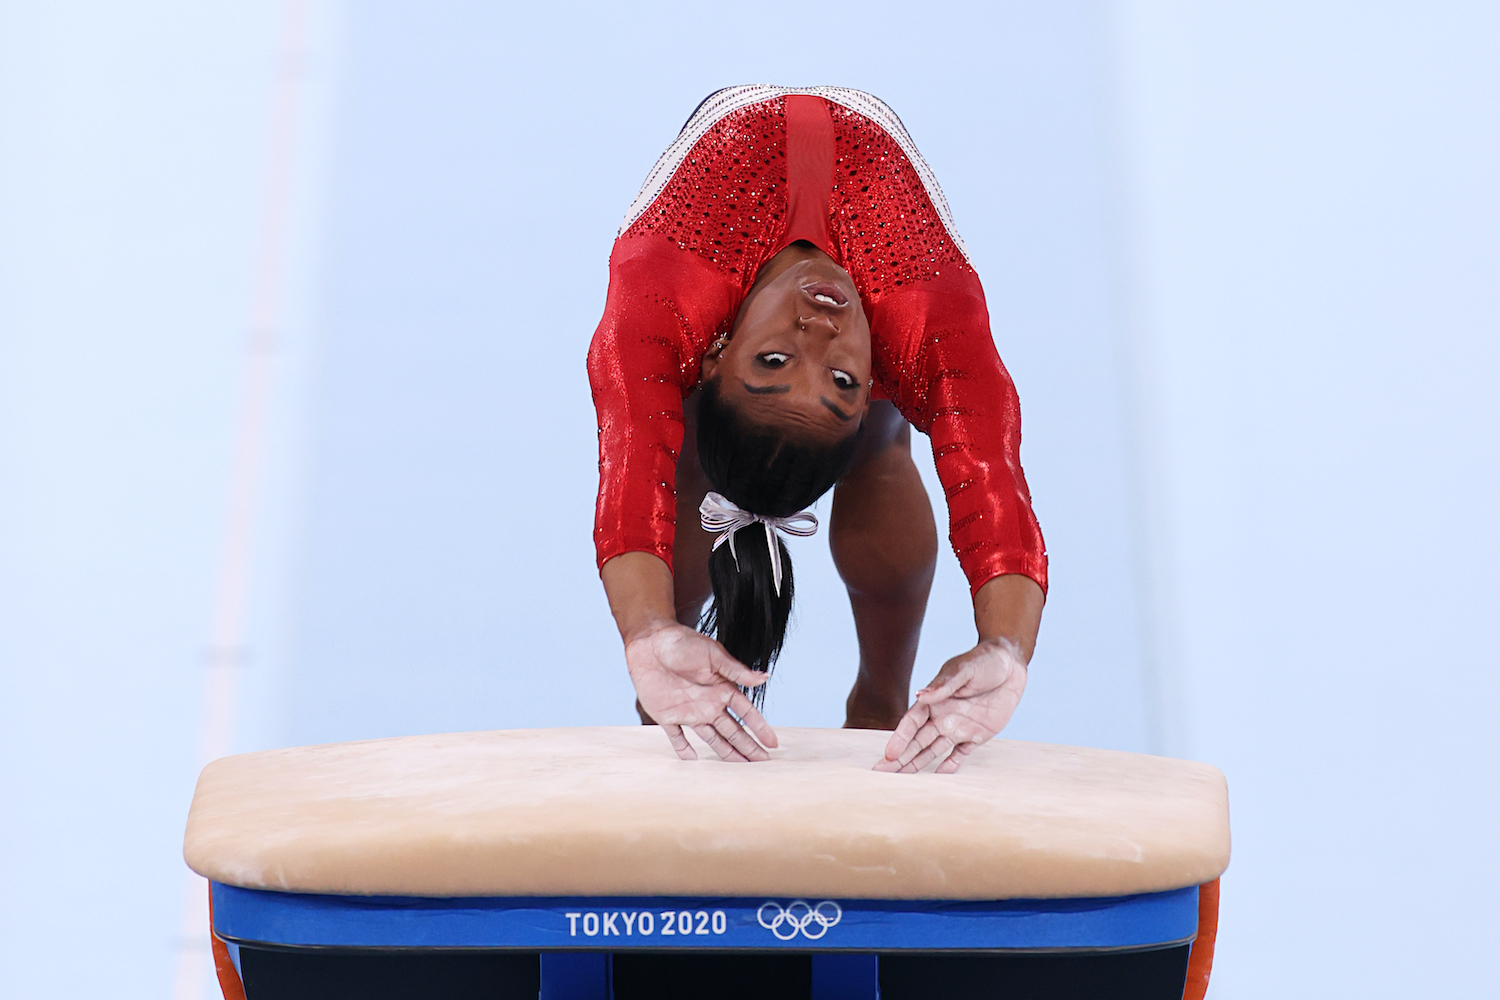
(820, 322)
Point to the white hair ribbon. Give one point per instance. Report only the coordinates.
(725, 517)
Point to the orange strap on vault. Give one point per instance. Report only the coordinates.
(1201, 960)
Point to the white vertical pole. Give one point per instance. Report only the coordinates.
(227, 632)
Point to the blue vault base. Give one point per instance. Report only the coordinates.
(576, 936)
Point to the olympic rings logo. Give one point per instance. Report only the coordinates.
(799, 917)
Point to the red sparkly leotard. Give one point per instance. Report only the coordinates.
(755, 169)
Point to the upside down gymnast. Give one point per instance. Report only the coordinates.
(787, 299)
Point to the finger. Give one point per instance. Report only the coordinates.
(731, 669)
(921, 741)
(739, 739)
(940, 748)
(947, 689)
(906, 729)
(750, 716)
(718, 744)
(956, 758)
(680, 742)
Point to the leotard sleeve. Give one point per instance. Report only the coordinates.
(662, 310)
(935, 356)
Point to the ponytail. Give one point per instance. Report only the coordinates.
(746, 614)
(765, 473)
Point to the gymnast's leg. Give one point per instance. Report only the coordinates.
(884, 541)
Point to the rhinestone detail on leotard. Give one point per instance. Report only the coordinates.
(714, 209)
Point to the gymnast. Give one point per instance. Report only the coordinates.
(787, 299)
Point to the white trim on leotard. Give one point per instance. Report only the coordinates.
(732, 99)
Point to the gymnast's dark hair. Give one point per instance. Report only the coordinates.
(769, 473)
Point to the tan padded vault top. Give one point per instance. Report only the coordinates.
(610, 811)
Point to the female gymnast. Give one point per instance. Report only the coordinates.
(787, 299)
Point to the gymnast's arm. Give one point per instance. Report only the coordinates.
(640, 364)
(953, 386)
(1008, 608)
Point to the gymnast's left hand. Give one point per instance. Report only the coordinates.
(970, 700)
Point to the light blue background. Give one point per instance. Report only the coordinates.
(1241, 261)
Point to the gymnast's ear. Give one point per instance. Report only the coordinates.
(710, 366)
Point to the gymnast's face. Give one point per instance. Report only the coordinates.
(798, 358)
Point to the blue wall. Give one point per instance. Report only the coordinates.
(1313, 239)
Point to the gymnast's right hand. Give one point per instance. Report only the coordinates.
(684, 679)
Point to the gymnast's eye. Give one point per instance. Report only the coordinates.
(773, 359)
(843, 379)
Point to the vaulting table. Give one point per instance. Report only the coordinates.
(559, 857)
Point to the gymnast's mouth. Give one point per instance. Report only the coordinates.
(825, 293)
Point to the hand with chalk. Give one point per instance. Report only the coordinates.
(971, 699)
